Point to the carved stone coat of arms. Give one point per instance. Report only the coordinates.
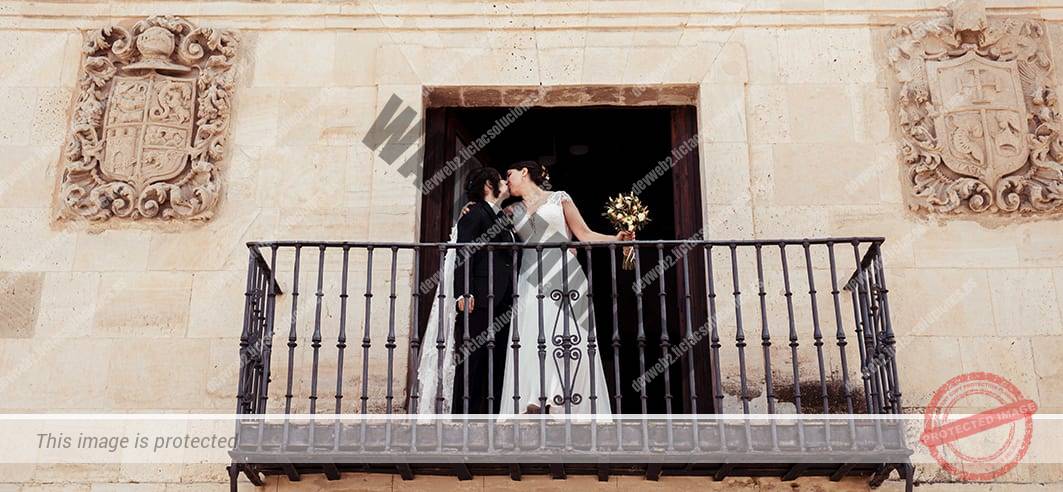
(977, 114)
(150, 123)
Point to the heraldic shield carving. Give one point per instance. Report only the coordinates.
(150, 123)
(977, 114)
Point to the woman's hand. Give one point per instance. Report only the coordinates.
(625, 236)
(468, 206)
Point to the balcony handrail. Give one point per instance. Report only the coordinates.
(869, 256)
(559, 244)
(264, 266)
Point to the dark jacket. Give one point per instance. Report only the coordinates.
(481, 225)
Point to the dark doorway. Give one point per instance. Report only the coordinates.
(594, 153)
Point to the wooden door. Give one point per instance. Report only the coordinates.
(686, 187)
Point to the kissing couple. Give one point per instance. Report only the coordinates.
(470, 363)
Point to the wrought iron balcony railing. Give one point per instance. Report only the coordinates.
(704, 348)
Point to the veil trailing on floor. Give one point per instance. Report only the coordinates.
(430, 384)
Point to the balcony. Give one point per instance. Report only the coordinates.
(720, 358)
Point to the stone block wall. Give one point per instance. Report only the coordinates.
(795, 141)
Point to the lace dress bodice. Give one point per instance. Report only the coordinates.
(545, 224)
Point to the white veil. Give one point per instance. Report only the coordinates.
(431, 367)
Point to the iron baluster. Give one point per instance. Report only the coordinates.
(665, 343)
(315, 338)
(841, 342)
(440, 334)
(692, 340)
(492, 324)
(714, 345)
(793, 344)
(817, 336)
(765, 342)
(341, 346)
(641, 338)
(292, 336)
(592, 347)
(616, 346)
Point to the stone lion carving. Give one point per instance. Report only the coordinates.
(150, 122)
(977, 114)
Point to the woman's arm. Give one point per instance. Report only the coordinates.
(579, 227)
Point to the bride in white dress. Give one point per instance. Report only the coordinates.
(534, 376)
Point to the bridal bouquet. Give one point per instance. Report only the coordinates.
(627, 213)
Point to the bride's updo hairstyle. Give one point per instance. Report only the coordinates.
(536, 173)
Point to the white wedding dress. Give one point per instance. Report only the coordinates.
(435, 374)
(581, 379)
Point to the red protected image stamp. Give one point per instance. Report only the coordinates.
(983, 445)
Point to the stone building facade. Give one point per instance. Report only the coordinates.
(812, 122)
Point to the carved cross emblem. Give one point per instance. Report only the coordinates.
(977, 114)
(980, 126)
(977, 80)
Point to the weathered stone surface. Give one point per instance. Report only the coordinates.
(634, 483)
(349, 482)
(143, 142)
(255, 116)
(302, 110)
(1008, 357)
(356, 57)
(942, 302)
(113, 250)
(312, 177)
(481, 97)
(603, 64)
(521, 96)
(443, 96)
(728, 221)
(790, 221)
(142, 378)
(43, 70)
(723, 113)
(217, 304)
(146, 473)
(872, 221)
(769, 120)
(30, 176)
(725, 176)
(143, 304)
(1025, 302)
(1049, 368)
(846, 174)
(448, 483)
(825, 56)
(38, 247)
(871, 122)
(227, 233)
(38, 374)
(59, 315)
(978, 246)
(280, 59)
(570, 96)
(937, 358)
(20, 298)
(810, 119)
(561, 65)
